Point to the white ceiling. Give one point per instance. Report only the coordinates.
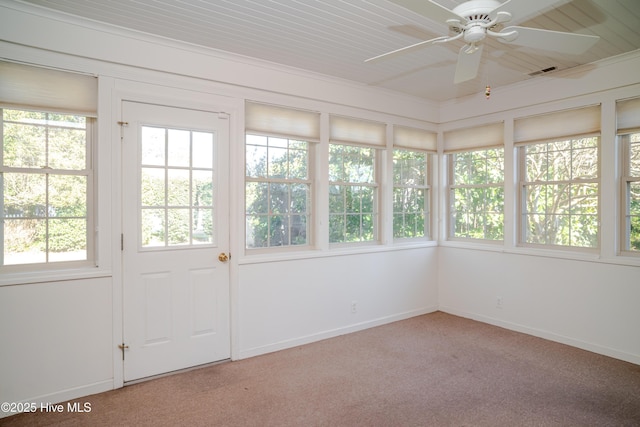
(334, 37)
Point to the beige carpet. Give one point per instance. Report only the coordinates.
(431, 370)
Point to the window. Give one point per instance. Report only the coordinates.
(353, 194)
(411, 194)
(279, 147)
(178, 189)
(278, 191)
(628, 124)
(631, 182)
(560, 192)
(354, 152)
(46, 187)
(476, 194)
(46, 169)
(560, 178)
(475, 158)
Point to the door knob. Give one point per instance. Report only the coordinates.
(223, 257)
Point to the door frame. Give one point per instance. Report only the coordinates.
(197, 99)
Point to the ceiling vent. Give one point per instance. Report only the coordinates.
(543, 71)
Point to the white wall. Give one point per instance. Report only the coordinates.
(55, 340)
(591, 305)
(289, 303)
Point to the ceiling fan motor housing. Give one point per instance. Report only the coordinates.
(476, 12)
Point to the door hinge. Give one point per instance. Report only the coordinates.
(122, 242)
(123, 347)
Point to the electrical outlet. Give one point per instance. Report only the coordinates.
(354, 307)
(499, 302)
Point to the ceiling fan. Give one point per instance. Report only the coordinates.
(475, 20)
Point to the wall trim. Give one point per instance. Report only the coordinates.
(540, 333)
(332, 333)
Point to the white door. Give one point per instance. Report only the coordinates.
(175, 238)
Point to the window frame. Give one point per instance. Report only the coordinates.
(522, 193)
(428, 189)
(91, 128)
(451, 186)
(625, 140)
(378, 153)
(310, 182)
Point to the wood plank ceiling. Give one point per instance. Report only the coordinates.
(334, 37)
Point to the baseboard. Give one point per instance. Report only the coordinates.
(65, 395)
(283, 345)
(551, 336)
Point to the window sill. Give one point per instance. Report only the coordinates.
(626, 260)
(332, 252)
(48, 276)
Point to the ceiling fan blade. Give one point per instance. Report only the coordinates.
(554, 41)
(468, 64)
(406, 49)
(428, 9)
(521, 10)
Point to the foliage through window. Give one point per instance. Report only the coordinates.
(46, 187)
(476, 194)
(353, 194)
(560, 193)
(411, 194)
(277, 191)
(631, 181)
(177, 190)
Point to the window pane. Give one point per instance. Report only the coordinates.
(634, 216)
(24, 146)
(299, 229)
(279, 198)
(298, 160)
(68, 197)
(24, 195)
(152, 187)
(178, 227)
(203, 227)
(336, 164)
(67, 149)
(202, 188)
(256, 161)
(178, 191)
(178, 147)
(153, 227)
(299, 198)
(153, 146)
(337, 228)
(257, 231)
(67, 239)
(25, 241)
(558, 165)
(257, 194)
(585, 163)
(202, 150)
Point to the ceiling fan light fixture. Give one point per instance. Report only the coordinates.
(475, 34)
